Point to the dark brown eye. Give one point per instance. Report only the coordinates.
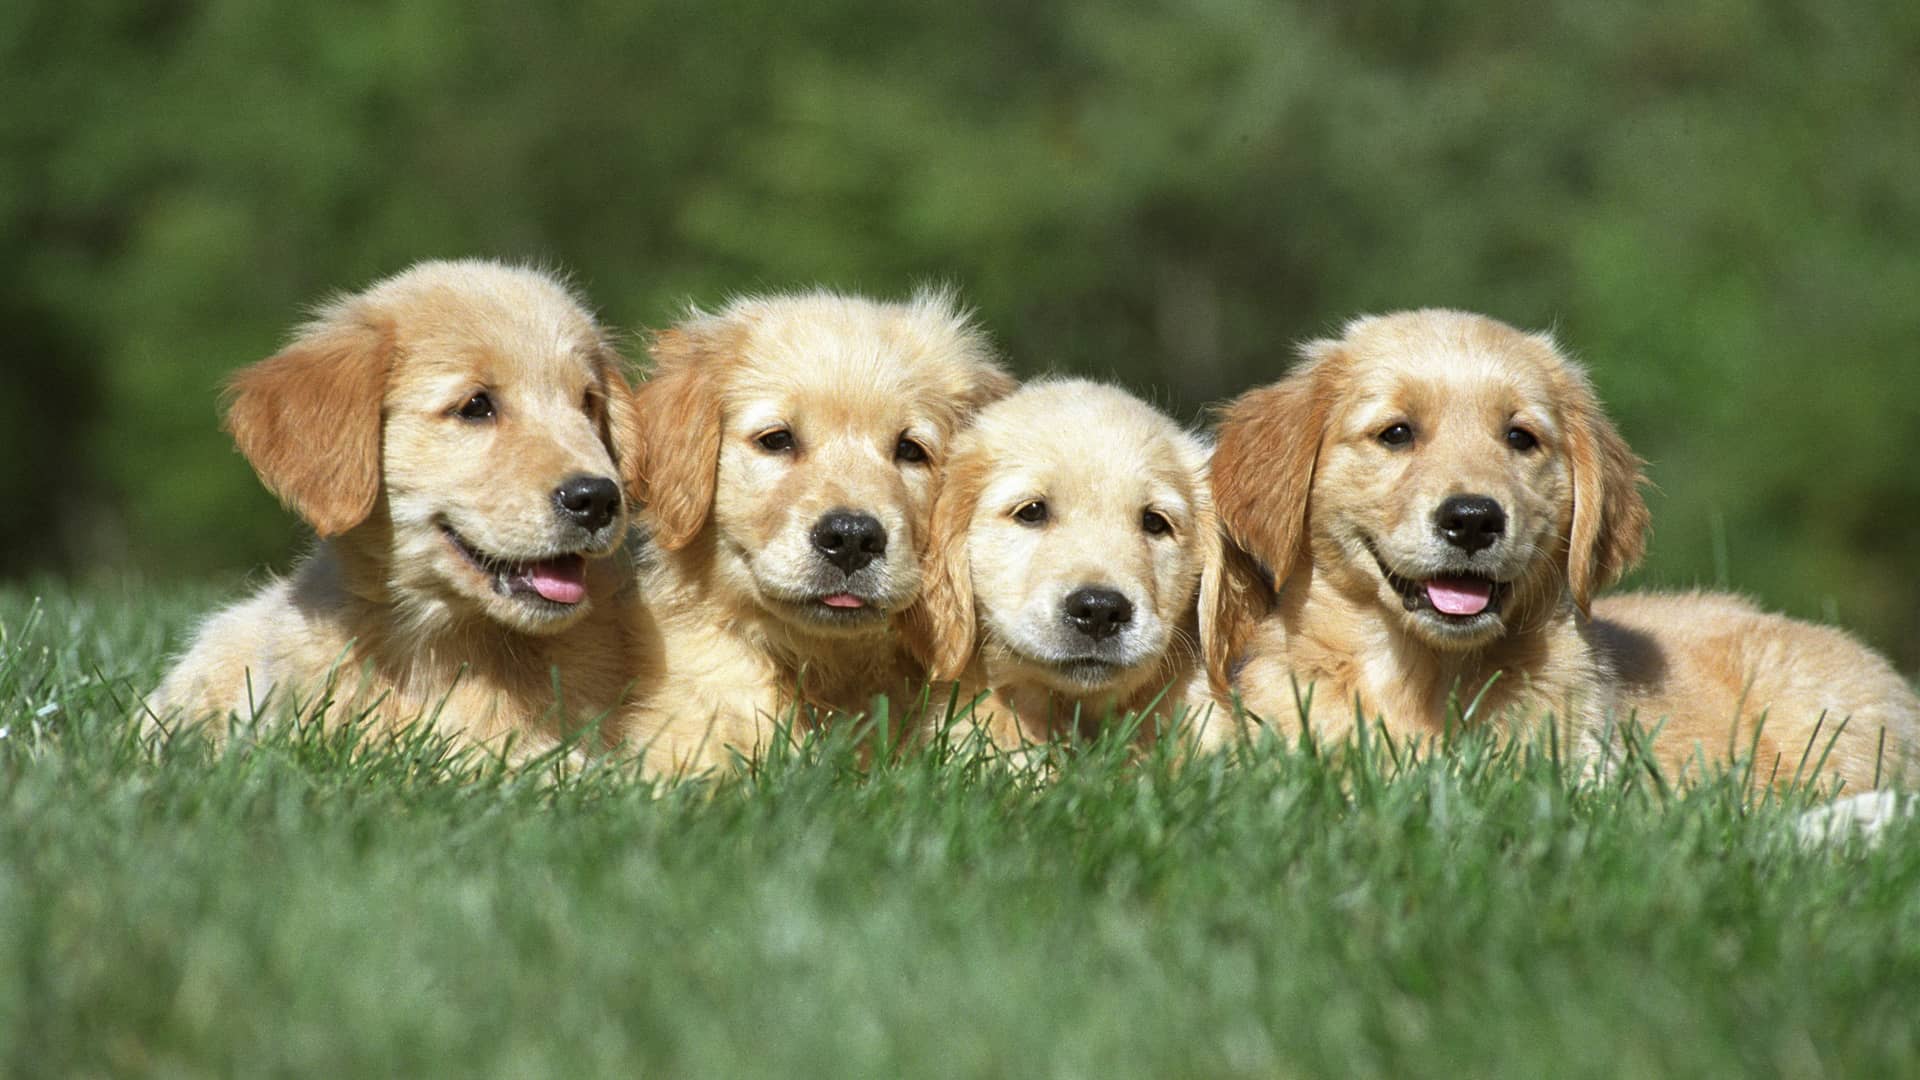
(908, 450)
(1031, 513)
(1521, 439)
(478, 407)
(777, 441)
(1397, 436)
(590, 404)
(1154, 523)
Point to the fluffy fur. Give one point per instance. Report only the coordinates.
(430, 429)
(1711, 675)
(1337, 480)
(1067, 552)
(763, 425)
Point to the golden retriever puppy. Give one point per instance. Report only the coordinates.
(1707, 674)
(1436, 497)
(454, 434)
(1067, 552)
(790, 449)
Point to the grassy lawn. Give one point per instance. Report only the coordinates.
(302, 909)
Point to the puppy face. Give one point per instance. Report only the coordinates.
(458, 421)
(1439, 487)
(1452, 470)
(1075, 529)
(806, 435)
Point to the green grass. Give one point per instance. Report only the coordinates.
(301, 909)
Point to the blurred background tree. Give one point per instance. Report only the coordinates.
(1715, 205)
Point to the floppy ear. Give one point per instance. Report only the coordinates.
(1263, 461)
(308, 420)
(1234, 596)
(620, 427)
(939, 629)
(1610, 518)
(675, 425)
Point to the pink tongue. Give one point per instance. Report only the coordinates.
(1460, 596)
(563, 580)
(845, 600)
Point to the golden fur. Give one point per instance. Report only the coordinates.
(357, 425)
(1306, 485)
(1020, 612)
(759, 423)
(1312, 479)
(1716, 675)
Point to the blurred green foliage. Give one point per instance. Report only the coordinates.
(1715, 205)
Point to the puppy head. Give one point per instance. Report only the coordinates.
(1450, 468)
(804, 435)
(1071, 537)
(458, 422)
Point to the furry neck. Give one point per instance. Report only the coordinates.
(1341, 641)
(839, 670)
(1043, 711)
(415, 641)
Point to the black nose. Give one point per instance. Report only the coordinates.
(1470, 522)
(849, 540)
(1097, 613)
(588, 501)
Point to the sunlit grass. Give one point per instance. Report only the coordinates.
(405, 908)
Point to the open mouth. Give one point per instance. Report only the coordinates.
(844, 609)
(1452, 598)
(834, 609)
(560, 580)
